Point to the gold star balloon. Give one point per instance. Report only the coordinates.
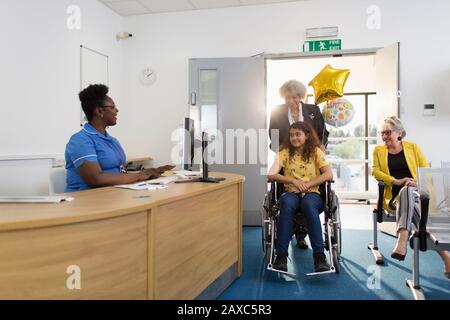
(329, 84)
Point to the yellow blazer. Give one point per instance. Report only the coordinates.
(380, 170)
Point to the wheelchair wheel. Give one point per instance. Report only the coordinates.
(337, 235)
(268, 245)
(263, 237)
(266, 239)
(265, 229)
(337, 231)
(336, 259)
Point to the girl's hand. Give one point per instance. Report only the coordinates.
(301, 186)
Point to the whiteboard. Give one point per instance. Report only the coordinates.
(93, 70)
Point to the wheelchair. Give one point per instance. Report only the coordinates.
(380, 215)
(332, 225)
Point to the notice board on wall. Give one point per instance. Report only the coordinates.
(93, 70)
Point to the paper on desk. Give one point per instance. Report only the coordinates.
(34, 199)
(141, 186)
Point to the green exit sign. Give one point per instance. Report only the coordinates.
(322, 45)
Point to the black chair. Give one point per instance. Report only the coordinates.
(380, 215)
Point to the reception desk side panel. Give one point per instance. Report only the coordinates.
(240, 196)
(195, 242)
(150, 253)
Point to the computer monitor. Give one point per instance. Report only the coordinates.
(188, 144)
(205, 170)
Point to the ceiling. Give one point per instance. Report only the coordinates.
(136, 7)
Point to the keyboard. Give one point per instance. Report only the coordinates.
(187, 173)
(162, 180)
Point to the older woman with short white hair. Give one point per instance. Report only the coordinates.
(293, 110)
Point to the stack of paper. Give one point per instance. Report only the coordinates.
(153, 184)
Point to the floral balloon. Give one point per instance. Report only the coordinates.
(338, 113)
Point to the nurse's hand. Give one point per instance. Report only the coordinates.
(148, 174)
(165, 168)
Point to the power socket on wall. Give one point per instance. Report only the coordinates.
(429, 110)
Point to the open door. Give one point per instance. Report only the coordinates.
(229, 94)
(387, 72)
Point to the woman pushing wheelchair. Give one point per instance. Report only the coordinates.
(305, 169)
(395, 163)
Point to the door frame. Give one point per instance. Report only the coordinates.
(332, 53)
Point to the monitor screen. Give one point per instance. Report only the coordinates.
(188, 144)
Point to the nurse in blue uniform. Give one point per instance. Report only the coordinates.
(93, 157)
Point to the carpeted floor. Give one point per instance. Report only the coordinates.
(357, 280)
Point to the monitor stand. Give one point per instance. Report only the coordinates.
(205, 177)
(208, 179)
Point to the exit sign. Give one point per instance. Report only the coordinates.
(322, 45)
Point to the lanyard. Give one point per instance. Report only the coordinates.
(300, 114)
(119, 156)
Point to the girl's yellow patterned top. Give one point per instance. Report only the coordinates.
(297, 168)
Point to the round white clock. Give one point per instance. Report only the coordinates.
(148, 76)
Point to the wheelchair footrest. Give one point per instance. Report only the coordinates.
(332, 270)
(269, 267)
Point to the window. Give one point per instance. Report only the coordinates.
(206, 113)
(350, 147)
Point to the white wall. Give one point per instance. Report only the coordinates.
(41, 69)
(166, 42)
(40, 79)
(39, 64)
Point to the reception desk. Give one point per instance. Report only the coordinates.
(183, 242)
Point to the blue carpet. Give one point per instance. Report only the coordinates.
(356, 280)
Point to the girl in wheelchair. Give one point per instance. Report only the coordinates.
(305, 168)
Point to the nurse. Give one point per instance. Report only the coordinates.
(93, 157)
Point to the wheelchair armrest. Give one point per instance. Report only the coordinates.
(273, 189)
(328, 193)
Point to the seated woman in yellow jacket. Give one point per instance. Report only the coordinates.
(395, 163)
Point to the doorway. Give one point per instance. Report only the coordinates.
(350, 147)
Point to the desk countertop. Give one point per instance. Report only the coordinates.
(102, 203)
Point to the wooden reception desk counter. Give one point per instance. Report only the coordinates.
(183, 242)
